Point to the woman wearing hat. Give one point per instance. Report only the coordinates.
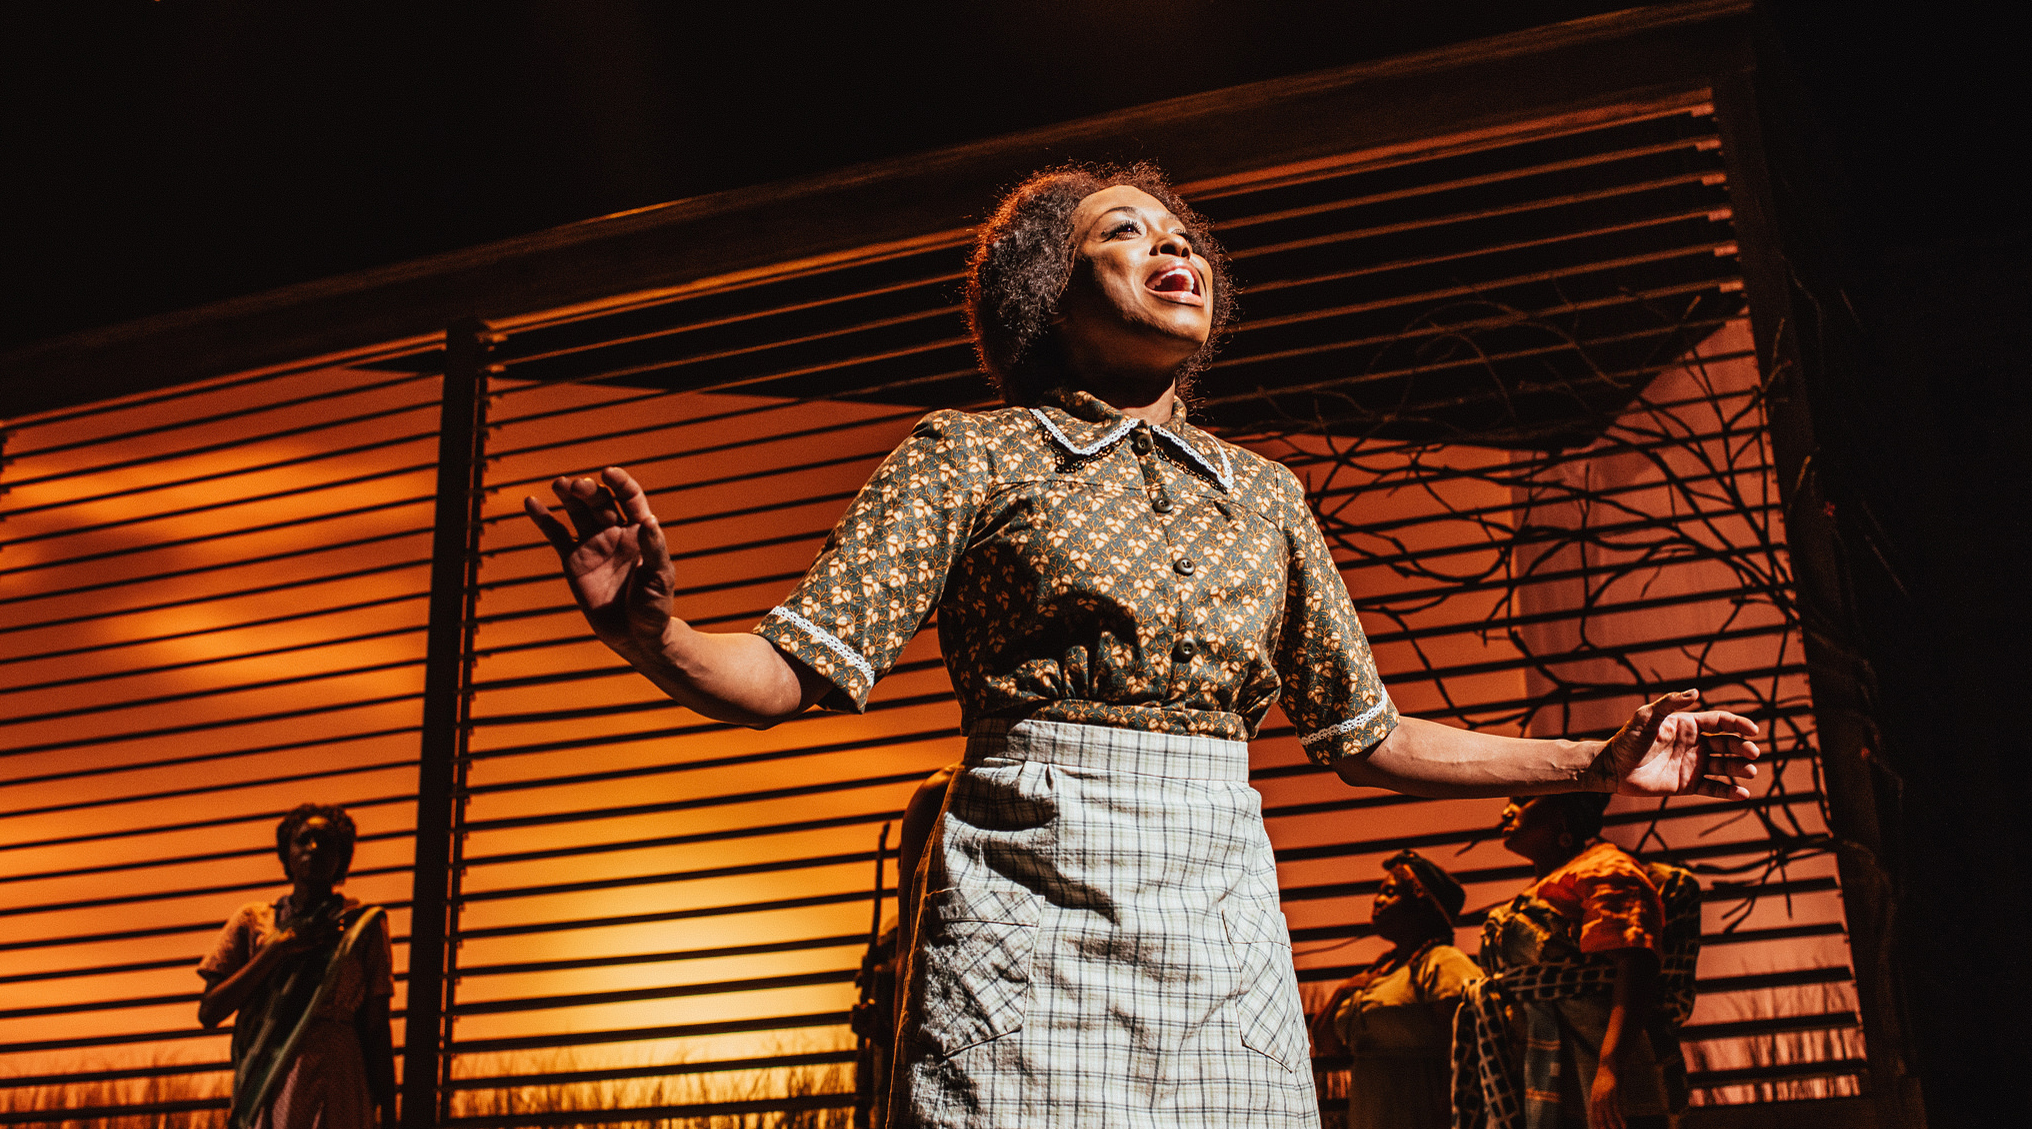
(1394, 1018)
(1590, 970)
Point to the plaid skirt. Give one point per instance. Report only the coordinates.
(1100, 943)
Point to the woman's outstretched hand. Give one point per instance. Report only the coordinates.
(614, 558)
(1670, 749)
(619, 569)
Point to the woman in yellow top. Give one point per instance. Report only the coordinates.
(1394, 1018)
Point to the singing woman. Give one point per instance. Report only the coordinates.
(1120, 597)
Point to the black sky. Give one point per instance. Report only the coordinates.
(166, 153)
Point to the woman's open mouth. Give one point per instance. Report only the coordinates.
(1177, 283)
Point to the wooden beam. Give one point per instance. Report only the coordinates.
(447, 700)
(1837, 669)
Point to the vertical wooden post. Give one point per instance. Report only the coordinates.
(455, 559)
(1863, 823)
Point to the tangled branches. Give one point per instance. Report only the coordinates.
(1544, 574)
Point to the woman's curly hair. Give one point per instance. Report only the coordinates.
(301, 814)
(1023, 258)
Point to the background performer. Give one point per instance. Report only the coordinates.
(1394, 1018)
(310, 975)
(1590, 969)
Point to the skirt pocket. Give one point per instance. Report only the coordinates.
(1266, 1001)
(973, 966)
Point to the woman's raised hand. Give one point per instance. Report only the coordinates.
(619, 570)
(614, 558)
(1665, 750)
(303, 936)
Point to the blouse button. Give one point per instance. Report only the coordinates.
(1163, 504)
(1184, 650)
(1140, 440)
(1182, 566)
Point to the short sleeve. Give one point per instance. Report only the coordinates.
(1345, 1013)
(1444, 977)
(885, 564)
(1330, 688)
(233, 948)
(1620, 908)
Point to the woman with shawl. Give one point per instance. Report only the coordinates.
(310, 976)
(1120, 598)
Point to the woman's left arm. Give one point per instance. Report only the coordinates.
(370, 1022)
(1666, 749)
(1344, 717)
(1636, 994)
(377, 1051)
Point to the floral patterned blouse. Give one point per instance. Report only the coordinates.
(1092, 568)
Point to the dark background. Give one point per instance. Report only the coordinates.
(160, 154)
(165, 153)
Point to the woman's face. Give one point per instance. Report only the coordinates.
(1395, 899)
(1401, 914)
(1140, 299)
(1392, 896)
(315, 851)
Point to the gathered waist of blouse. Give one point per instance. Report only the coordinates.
(1170, 719)
(1109, 749)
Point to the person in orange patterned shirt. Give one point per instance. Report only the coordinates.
(1575, 1020)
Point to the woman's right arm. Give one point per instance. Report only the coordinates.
(1636, 994)
(618, 565)
(225, 996)
(1326, 1031)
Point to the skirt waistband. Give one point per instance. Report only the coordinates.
(1104, 748)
